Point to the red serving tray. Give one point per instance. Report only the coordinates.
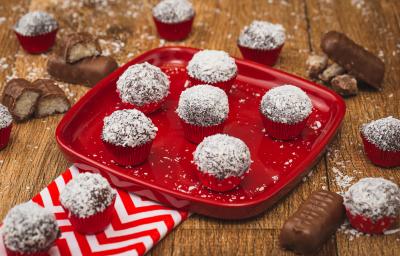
(168, 176)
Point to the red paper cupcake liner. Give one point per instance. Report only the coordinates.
(226, 86)
(369, 226)
(283, 131)
(5, 136)
(129, 155)
(13, 253)
(174, 31)
(146, 108)
(266, 57)
(380, 157)
(92, 224)
(196, 134)
(216, 184)
(37, 44)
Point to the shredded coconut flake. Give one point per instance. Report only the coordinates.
(5, 117)
(203, 105)
(286, 104)
(373, 198)
(29, 228)
(383, 133)
(222, 156)
(87, 194)
(143, 83)
(211, 66)
(262, 35)
(173, 11)
(128, 128)
(36, 23)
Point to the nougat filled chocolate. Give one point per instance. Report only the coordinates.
(313, 223)
(88, 71)
(52, 100)
(359, 62)
(21, 97)
(77, 46)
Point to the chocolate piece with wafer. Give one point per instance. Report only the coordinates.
(313, 223)
(52, 100)
(77, 46)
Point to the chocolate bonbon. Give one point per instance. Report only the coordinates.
(52, 99)
(77, 46)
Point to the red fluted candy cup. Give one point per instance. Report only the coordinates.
(196, 134)
(147, 108)
(216, 184)
(5, 136)
(14, 253)
(226, 85)
(283, 131)
(174, 31)
(266, 57)
(129, 156)
(380, 157)
(39, 43)
(369, 226)
(95, 223)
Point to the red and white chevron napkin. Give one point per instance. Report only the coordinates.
(138, 225)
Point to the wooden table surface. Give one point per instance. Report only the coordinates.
(32, 159)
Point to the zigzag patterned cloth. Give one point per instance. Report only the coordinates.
(138, 226)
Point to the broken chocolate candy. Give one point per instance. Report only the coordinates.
(21, 98)
(345, 85)
(332, 71)
(316, 64)
(88, 71)
(52, 99)
(77, 46)
(313, 223)
(359, 62)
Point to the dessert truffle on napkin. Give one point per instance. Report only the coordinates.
(52, 100)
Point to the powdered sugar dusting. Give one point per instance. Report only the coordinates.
(87, 194)
(36, 23)
(29, 228)
(211, 66)
(222, 156)
(128, 128)
(262, 35)
(143, 83)
(5, 117)
(383, 133)
(286, 104)
(373, 198)
(173, 11)
(203, 105)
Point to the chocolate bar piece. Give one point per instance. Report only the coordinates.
(316, 64)
(88, 71)
(21, 98)
(359, 62)
(52, 99)
(313, 223)
(330, 72)
(345, 85)
(77, 46)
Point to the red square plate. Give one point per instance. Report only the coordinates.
(168, 175)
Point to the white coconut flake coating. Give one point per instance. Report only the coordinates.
(29, 228)
(5, 117)
(262, 35)
(143, 83)
(203, 105)
(35, 23)
(222, 156)
(87, 194)
(373, 198)
(383, 133)
(128, 128)
(286, 104)
(173, 11)
(212, 66)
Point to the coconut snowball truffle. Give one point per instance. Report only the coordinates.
(212, 66)
(173, 11)
(262, 35)
(29, 228)
(373, 198)
(203, 105)
(222, 156)
(35, 23)
(383, 133)
(5, 117)
(128, 128)
(87, 194)
(286, 104)
(143, 83)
